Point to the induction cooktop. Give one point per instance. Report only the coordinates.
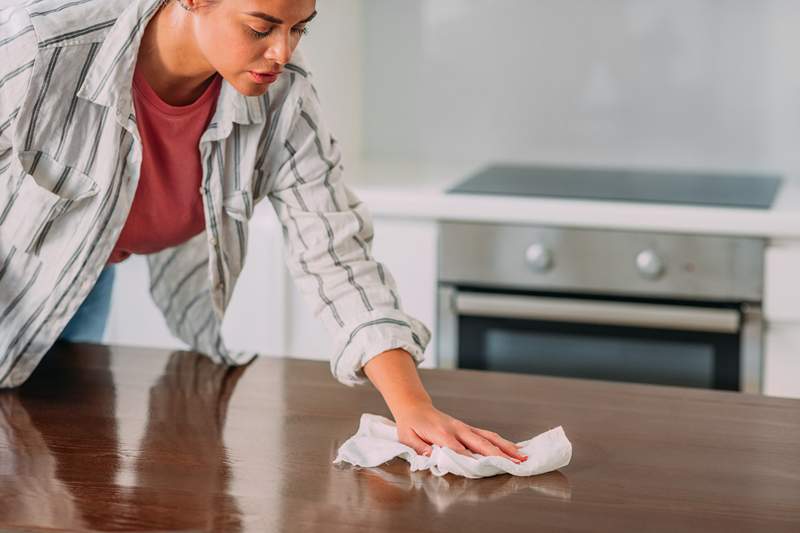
(625, 185)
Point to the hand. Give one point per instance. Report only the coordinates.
(421, 425)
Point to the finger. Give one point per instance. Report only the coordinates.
(507, 446)
(455, 445)
(413, 440)
(483, 446)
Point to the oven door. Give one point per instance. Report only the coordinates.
(715, 347)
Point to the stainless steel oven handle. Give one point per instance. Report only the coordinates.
(660, 316)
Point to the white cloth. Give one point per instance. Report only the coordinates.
(376, 442)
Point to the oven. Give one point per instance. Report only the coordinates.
(681, 310)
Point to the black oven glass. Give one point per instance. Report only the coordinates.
(614, 353)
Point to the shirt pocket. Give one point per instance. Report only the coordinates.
(46, 190)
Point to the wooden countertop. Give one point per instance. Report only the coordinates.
(126, 439)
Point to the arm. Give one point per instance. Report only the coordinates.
(327, 241)
(327, 235)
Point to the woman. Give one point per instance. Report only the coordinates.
(154, 127)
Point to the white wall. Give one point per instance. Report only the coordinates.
(783, 82)
(333, 49)
(677, 83)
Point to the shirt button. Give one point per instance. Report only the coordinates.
(212, 241)
(220, 285)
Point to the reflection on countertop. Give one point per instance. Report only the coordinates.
(65, 462)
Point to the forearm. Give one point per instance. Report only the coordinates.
(394, 374)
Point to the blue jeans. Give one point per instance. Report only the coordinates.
(89, 322)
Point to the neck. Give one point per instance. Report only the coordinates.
(169, 58)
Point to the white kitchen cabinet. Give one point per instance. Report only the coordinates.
(782, 362)
(408, 250)
(781, 283)
(782, 315)
(256, 319)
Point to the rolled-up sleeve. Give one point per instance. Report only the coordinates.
(327, 236)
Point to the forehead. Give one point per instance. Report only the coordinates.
(290, 11)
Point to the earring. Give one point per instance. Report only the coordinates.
(180, 2)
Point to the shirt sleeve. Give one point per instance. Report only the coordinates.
(327, 236)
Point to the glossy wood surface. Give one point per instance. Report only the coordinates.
(126, 439)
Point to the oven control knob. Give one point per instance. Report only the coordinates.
(539, 257)
(649, 264)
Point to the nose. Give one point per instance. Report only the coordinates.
(280, 49)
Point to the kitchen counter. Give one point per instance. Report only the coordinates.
(416, 191)
(112, 438)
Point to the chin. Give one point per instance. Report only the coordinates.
(253, 90)
(247, 88)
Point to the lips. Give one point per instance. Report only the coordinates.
(265, 77)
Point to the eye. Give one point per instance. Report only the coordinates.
(262, 34)
(258, 34)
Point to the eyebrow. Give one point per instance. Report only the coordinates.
(274, 20)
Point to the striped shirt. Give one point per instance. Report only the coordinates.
(70, 156)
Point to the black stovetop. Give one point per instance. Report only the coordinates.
(688, 188)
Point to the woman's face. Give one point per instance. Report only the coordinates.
(245, 39)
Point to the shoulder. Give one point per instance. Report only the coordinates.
(18, 49)
(32, 29)
(29, 28)
(51, 23)
(59, 23)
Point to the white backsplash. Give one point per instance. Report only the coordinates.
(678, 83)
(334, 52)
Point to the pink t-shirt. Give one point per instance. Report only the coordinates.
(167, 209)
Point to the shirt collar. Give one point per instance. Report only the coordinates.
(108, 81)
